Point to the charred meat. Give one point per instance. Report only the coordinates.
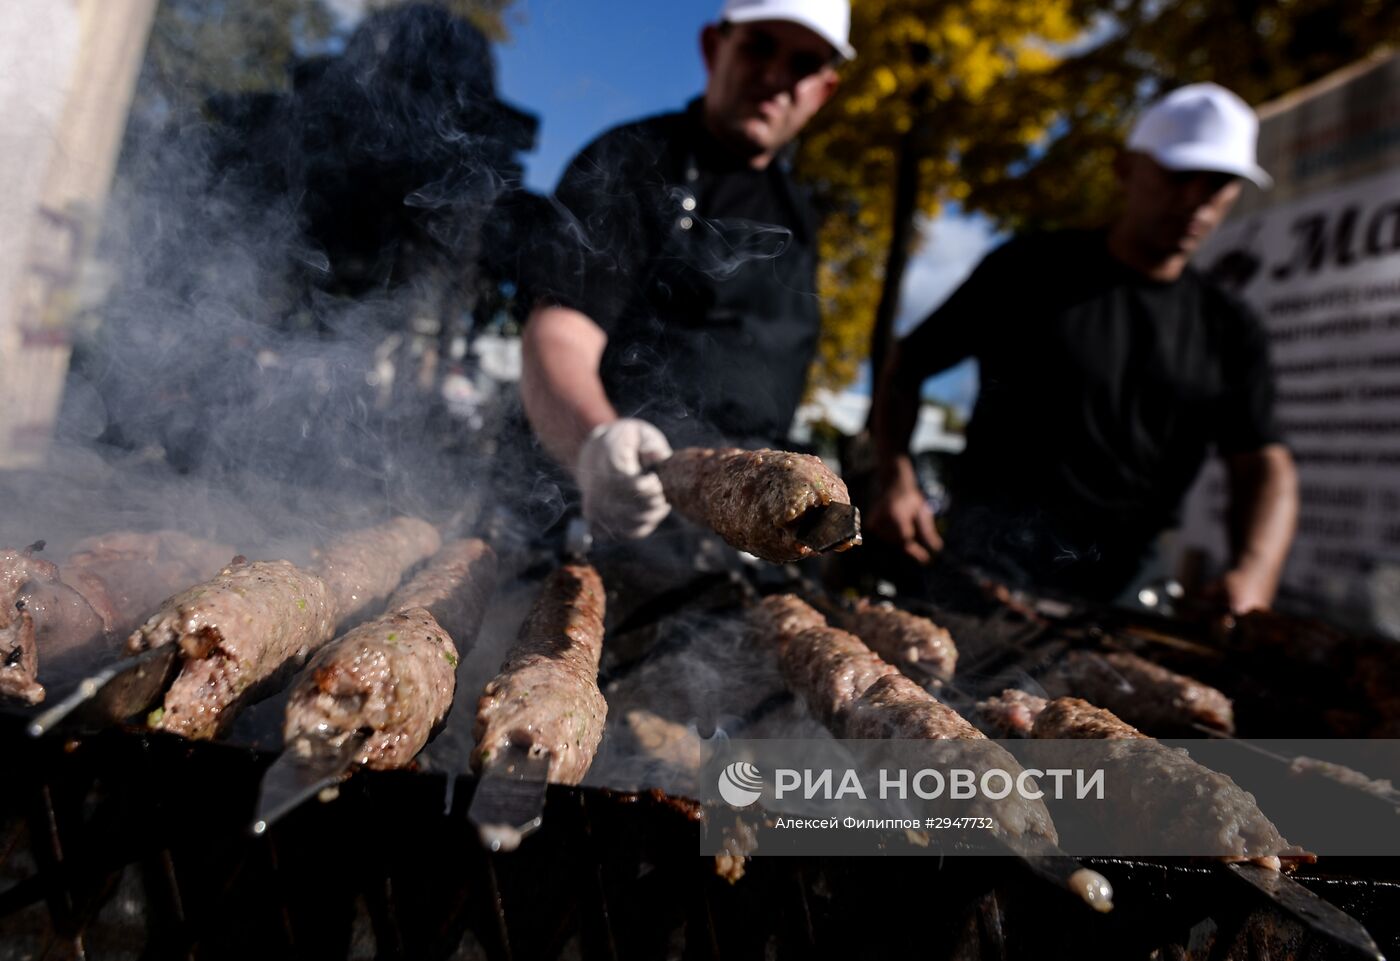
(40, 611)
(1011, 713)
(755, 500)
(546, 701)
(234, 631)
(1145, 694)
(20, 573)
(19, 656)
(392, 679)
(68, 617)
(253, 620)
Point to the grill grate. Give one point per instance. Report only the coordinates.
(130, 844)
(153, 830)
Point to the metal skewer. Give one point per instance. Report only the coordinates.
(831, 525)
(113, 694)
(1389, 796)
(509, 799)
(1320, 915)
(306, 768)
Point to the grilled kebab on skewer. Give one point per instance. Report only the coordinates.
(66, 616)
(136, 571)
(859, 695)
(234, 630)
(828, 668)
(391, 680)
(34, 601)
(759, 501)
(253, 620)
(545, 702)
(903, 638)
(1164, 786)
(455, 587)
(781, 617)
(1146, 695)
(363, 567)
(891, 708)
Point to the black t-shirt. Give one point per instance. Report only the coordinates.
(700, 269)
(1102, 392)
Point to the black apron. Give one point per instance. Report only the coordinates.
(733, 323)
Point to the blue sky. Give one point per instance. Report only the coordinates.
(585, 65)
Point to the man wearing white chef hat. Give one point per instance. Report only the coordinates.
(1110, 369)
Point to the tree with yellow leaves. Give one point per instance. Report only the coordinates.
(927, 86)
(1015, 109)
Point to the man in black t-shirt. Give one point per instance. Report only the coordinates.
(1109, 369)
(679, 301)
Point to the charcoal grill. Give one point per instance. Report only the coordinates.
(131, 844)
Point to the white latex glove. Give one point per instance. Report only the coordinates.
(618, 498)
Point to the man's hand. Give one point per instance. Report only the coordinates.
(1242, 590)
(1263, 514)
(901, 516)
(618, 497)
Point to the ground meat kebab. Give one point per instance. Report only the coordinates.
(545, 701)
(256, 619)
(903, 638)
(1195, 807)
(393, 678)
(67, 617)
(858, 695)
(1145, 694)
(753, 499)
